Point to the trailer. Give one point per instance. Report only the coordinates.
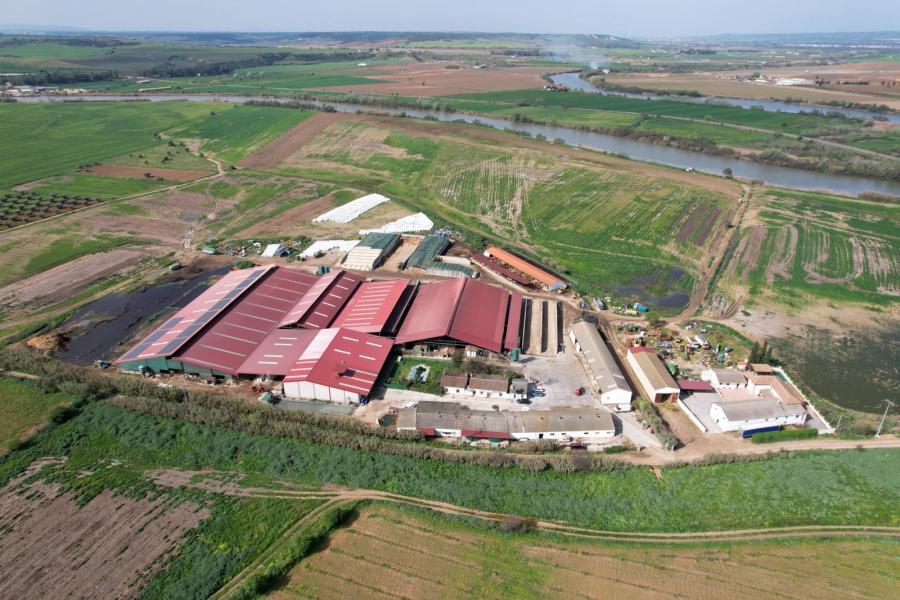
(748, 433)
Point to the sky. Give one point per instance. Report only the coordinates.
(635, 18)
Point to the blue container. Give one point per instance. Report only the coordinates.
(751, 432)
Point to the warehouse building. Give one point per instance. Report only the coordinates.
(463, 311)
(604, 372)
(450, 419)
(427, 251)
(725, 378)
(742, 415)
(547, 279)
(651, 373)
(371, 251)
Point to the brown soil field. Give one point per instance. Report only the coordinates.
(291, 218)
(388, 553)
(141, 172)
(279, 149)
(67, 279)
(435, 79)
(52, 548)
(709, 84)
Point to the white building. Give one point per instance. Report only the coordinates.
(603, 371)
(371, 251)
(725, 378)
(741, 415)
(652, 374)
(450, 419)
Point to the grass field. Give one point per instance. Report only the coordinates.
(70, 247)
(53, 139)
(818, 488)
(606, 227)
(390, 551)
(25, 407)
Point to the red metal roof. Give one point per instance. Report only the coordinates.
(276, 354)
(493, 265)
(463, 309)
(371, 306)
(432, 310)
(429, 431)
(187, 322)
(695, 386)
(480, 318)
(323, 301)
(343, 359)
(517, 262)
(513, 323)
(236, 333)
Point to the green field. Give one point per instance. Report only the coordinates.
(606, 227)
(816, 488)
(25, 407)
(68, 248)
(232, 132)
(52, 139)
(165, 156)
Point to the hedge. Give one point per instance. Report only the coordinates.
(770, 437)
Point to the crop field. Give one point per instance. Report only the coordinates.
(85, 524)
(801, 124)
(607, 227)
(232, 132)
(821, 245)
(390, 551)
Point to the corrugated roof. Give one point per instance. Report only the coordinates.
(428, 416)
(276, 354)
(454, 380)
(729, 376)
(748, 410)
(695, 386)
(604, 369)
(238, 331)
(378, 241)
(546, 278)
(513, 336)
(491, 383)
(319, 306)
(343, 359)
(432, 310)
(480, 317)
(493, 265)
(169, 337)
(432, 246)
(371, 306)
(653, 368)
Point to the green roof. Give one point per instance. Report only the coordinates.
(429, 248)
(378, 241)
(451, 267)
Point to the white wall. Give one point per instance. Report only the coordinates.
(619, 398)
(718, 415)
(314, 391)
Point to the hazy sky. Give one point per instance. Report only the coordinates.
(669, 18)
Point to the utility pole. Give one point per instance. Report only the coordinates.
(889, 403)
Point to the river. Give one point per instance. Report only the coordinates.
(635, 149)
(574, 82)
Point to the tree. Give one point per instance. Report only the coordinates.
(457, 359)
(727, 172)
(754, 353)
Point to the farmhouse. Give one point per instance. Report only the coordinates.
(371, 251)
(725, 378)
(450, 419)
(455, 384)
(742, 415)
(602, 368)
(652, 374)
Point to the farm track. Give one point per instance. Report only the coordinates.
(337, 496)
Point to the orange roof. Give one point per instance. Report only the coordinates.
(524, 266)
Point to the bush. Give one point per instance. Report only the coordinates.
(770, 437)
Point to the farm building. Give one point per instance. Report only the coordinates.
(495, 386)
(427, 251)
(450, 270)
(320, 304)
(338, 365)
(547, 279)
(725, 378)
(652, 374)
(694, 387)
(499, 269)
(772, 386)
(449, 419)
(371, 251)
(750, 414)
(464, 311)
(273, 250)
(376, 307)
(346, 213)
(455, 383)
(603, 370)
